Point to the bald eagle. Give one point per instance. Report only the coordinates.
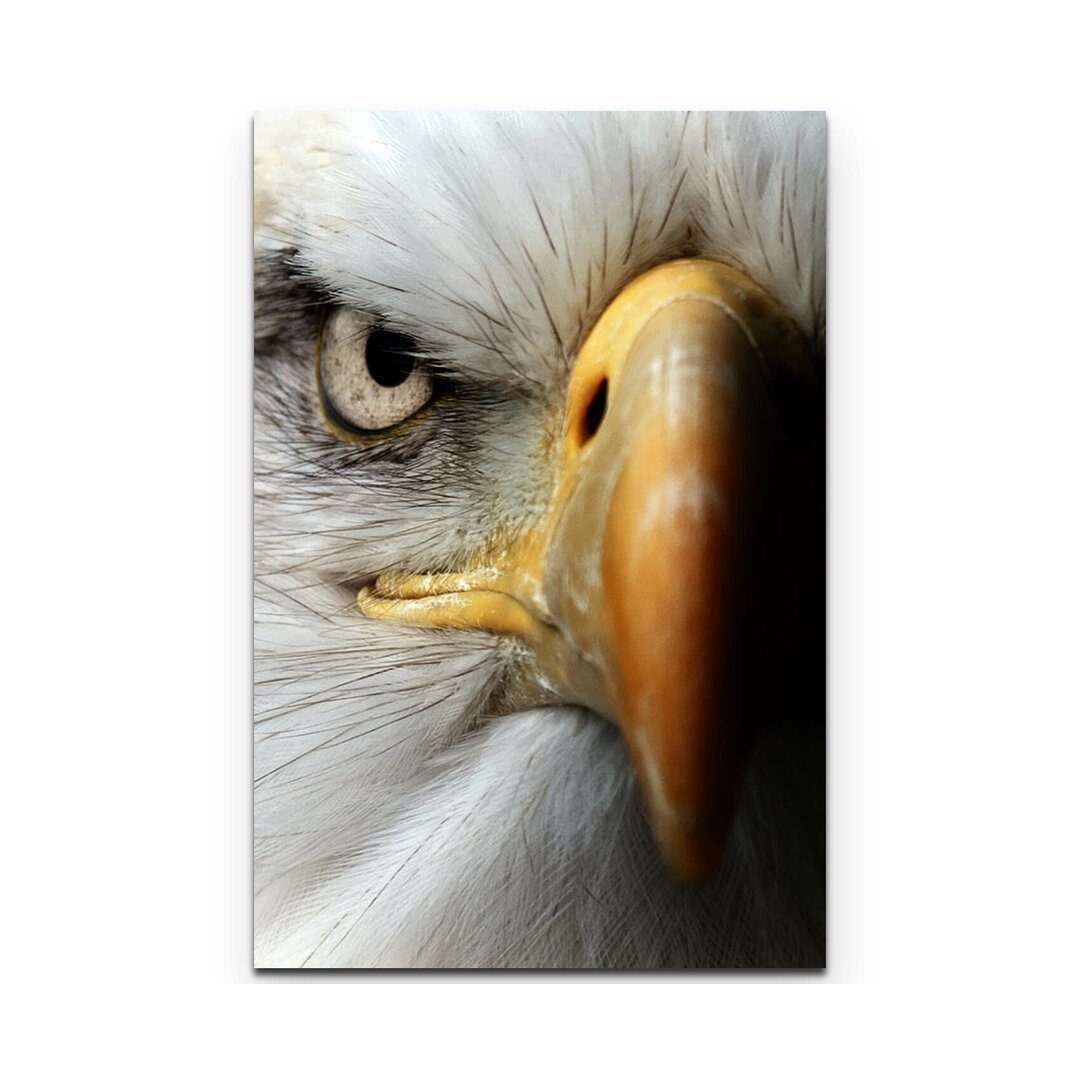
(539, 538)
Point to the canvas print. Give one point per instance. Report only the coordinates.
(539, 540)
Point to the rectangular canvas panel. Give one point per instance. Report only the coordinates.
(539, 540)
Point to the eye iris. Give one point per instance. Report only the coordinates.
(390, 357)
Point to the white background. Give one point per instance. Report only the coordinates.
(954, 532)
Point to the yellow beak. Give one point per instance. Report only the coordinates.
(636, 591)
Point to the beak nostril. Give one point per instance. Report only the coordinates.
(594, 414)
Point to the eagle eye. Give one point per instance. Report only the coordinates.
(370, 379)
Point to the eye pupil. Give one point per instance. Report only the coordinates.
(390, 357)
